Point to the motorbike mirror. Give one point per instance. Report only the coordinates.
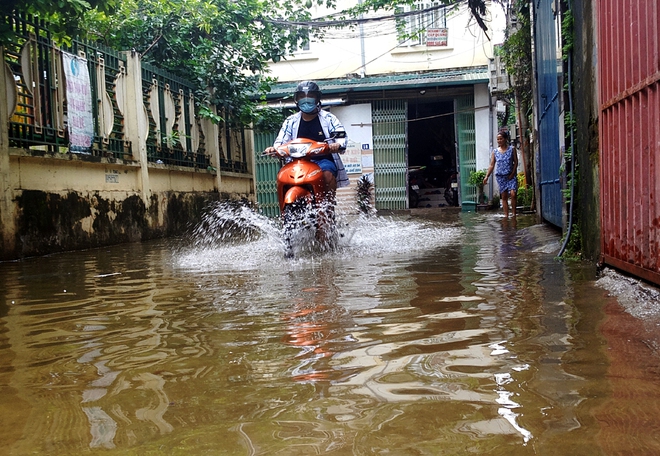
(338, 134)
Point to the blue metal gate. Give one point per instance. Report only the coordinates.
(548, 112)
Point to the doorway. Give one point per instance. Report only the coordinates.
(431, 153)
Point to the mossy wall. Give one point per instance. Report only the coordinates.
(51, 222)
(585, 111)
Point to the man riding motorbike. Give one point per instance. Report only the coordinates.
(314, 123)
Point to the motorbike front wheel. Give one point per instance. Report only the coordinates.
(294, 219)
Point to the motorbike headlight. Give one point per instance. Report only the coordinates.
(298, 150)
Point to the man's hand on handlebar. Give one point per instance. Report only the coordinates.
(270, 151)
(334, 147)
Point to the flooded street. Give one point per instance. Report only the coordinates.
(449, 334)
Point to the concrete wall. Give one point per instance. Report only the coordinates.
(52, 202)
(68, 202)
(585, 110)
(357, 122)
(485, 121)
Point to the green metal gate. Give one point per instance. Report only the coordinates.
(390, 154)
(467, 151)
(266, 169)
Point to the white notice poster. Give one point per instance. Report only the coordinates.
(436, 37)
(352, 158)
(80, 121)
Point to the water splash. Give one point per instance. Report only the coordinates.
(227, 222)
(237, 237)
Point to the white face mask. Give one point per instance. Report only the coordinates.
(307, 105)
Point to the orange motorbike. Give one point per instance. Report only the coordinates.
(306, 203)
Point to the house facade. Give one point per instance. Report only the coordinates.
(412, 90)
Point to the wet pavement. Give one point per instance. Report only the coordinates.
(442, 333)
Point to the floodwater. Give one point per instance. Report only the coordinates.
(450, 334)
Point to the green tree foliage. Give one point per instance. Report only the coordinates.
(64, 16)
(223, 46)
(516, 52)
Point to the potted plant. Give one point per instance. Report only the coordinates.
(477, 179)
(525, 193)
(364, 187)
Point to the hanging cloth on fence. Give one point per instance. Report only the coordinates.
(80, 120)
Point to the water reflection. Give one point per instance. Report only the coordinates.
(461, 334)
(315, 326)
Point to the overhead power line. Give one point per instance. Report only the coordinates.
(344, 22)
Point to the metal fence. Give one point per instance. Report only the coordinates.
(36, 98)
(38, 120)
(174, 134)
(40, 109)
(234, 157)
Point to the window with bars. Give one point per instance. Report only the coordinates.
(423, 23)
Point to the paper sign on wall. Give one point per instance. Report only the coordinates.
(436, 37)
(80, 121)
(352, 158)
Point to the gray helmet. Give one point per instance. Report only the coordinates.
(307, 89)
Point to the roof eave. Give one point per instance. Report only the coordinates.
(406, 81)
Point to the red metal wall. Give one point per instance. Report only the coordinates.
(629, 130)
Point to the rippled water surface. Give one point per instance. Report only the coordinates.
(453, 334)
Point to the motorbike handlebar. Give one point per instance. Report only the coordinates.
(276, 152)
